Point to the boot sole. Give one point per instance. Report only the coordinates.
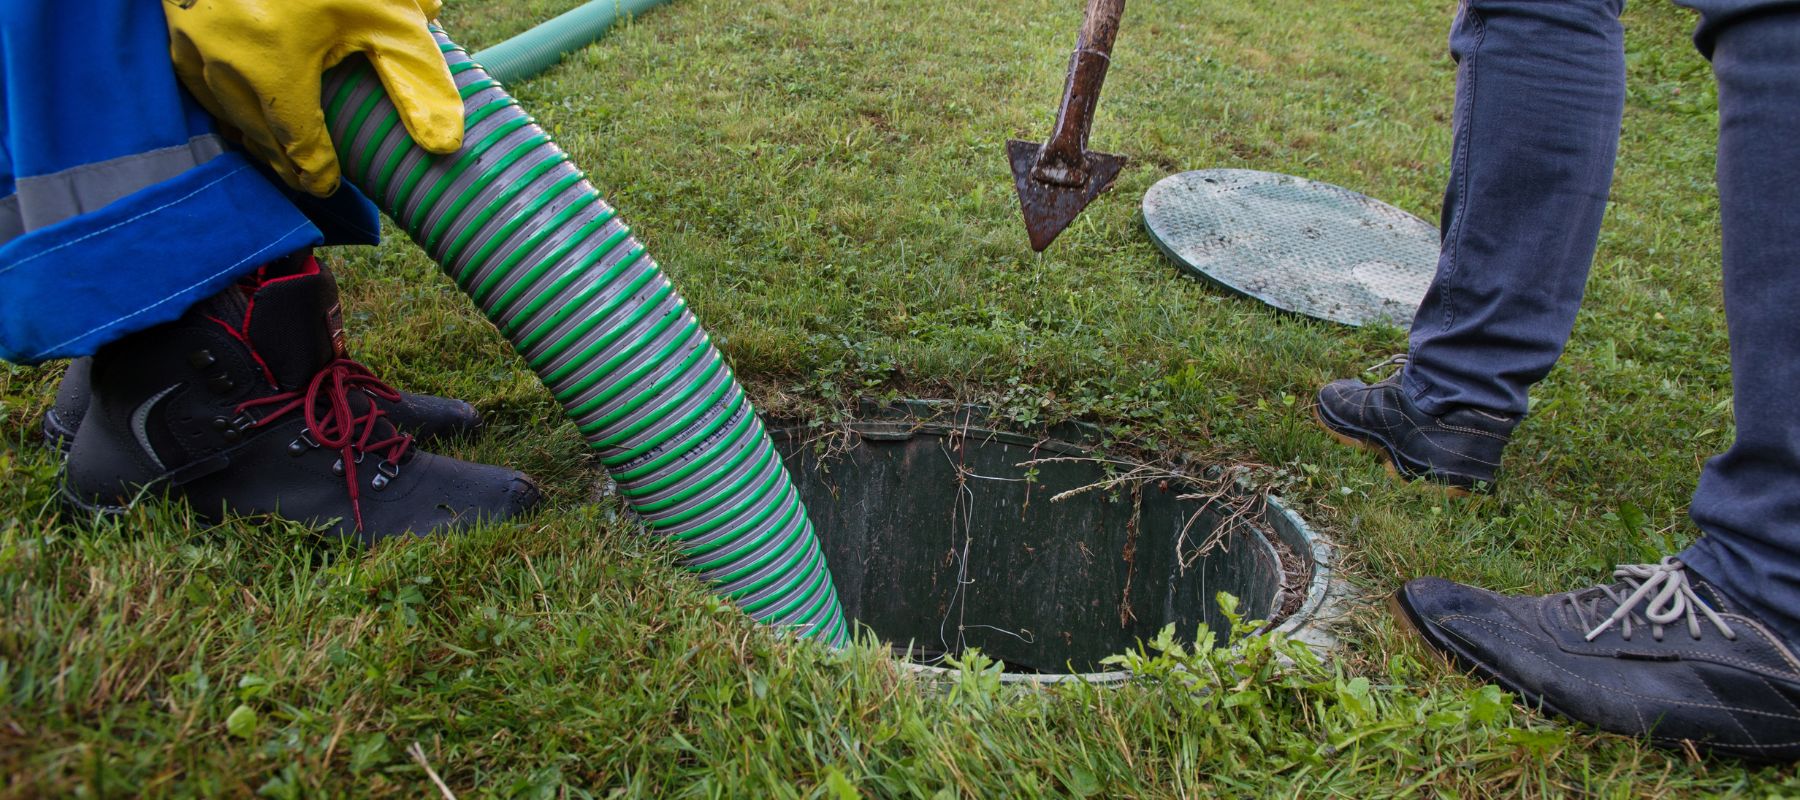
(57, 436)
(1388, 459)
(69, 499)
(527, 502)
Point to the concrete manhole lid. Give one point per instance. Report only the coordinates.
(1312, 248)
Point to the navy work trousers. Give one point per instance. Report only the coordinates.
(1540, 93)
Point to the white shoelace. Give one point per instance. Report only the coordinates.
(1670, 598)
(1397, 360)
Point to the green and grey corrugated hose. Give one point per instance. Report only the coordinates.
(524, 233)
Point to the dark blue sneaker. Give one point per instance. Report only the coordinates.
(1662, 655)
(1460, 450)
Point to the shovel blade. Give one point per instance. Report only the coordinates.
(1050, 208)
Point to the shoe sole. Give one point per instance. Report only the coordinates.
(1388, 459)
(1447, 652)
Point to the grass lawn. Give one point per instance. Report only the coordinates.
(825, 182)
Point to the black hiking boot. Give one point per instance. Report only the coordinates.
(1661, 655)
(245, 405)
(424, 416)
(1460, 450)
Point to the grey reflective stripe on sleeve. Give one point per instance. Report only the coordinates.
(44, 200)
(10, 226)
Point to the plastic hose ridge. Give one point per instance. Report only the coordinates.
(522, 231)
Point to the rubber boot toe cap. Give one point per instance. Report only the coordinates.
(428, 417)
(446, 495)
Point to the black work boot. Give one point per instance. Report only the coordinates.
(424, 416)
(1460, 449)
(245, 405)
(1661, 654)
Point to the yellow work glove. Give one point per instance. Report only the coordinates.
(256, 66)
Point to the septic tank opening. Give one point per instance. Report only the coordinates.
(943, 535)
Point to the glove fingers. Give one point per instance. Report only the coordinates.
(302, 136)
(425, 95)
(190, 68)
(225, 87)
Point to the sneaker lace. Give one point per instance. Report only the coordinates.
(1664, 592)
(1397, 361)
(332, 423)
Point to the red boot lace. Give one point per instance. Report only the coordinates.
(325, 404)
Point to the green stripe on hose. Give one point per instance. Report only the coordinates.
(625, 409)
(362, 112)
(821, 584)
(541, 299)
(700, 509)
(785, 501)
(738, 401)
(613, 363)
(482, 181)
(486, 214)
(668, 350)
(381, 134)
(441, 185)
(719, 521)
(691, 467)
(595, 318)
(335, 108)
(651, 442)
(759, 605)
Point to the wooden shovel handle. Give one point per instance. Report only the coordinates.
(1063, 160)
(1101, 25)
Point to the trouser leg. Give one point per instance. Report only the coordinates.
(1540, 93)
(1748, 503)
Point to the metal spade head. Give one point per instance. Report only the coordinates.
(1048, 207)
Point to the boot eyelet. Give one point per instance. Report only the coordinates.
(385, 472)
(221, 384)
(302, 445)
(201, 359)
(234, 429)
(337, 467)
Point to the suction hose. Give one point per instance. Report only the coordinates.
(524, 233)
(539, 49)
